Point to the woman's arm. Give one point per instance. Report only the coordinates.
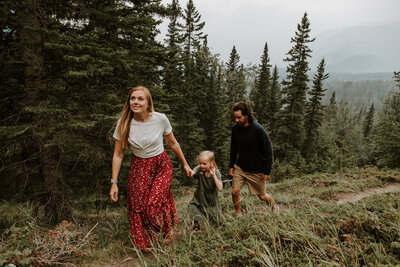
(176, 148)
(116, 166)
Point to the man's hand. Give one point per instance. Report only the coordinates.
(265, 177)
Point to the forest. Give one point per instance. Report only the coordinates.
(66, 70)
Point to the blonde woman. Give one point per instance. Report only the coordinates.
(150, 204)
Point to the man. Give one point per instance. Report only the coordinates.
(251, 156)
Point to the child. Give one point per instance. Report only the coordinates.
(205, 203)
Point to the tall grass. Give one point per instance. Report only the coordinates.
(310, 231)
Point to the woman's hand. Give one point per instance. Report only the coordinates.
(114, 192)
(188, 170)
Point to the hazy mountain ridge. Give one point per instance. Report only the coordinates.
(358, 49)
(358, 90)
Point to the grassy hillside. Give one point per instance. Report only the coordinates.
(310, 230)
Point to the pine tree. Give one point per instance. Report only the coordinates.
(291, 132)
(173, 66)
(313, 117)
(260, 96)
(41, 116)
(79, 60)
(369, 121)
(274, 104)
(332, 100)
(222, 120)
(397, 78)
(188, 124)
(235, 79)
(192, 34)
(388, 130)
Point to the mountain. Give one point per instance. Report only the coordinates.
(373, 48)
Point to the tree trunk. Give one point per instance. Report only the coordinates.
(56, 201)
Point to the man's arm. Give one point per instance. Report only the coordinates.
(269, 154)
(233, 155)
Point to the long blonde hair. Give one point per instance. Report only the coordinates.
(127, 115)
(209, 155)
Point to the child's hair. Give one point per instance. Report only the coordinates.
(209, 155)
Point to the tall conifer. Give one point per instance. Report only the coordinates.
(388, 130)
(291, 134)
(261, 94)
(313, 117)
(235, 79)
(188, 124)
(274, 104)
(369, 121)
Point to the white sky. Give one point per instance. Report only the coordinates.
(248, 24)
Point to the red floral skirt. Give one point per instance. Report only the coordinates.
(150, 203)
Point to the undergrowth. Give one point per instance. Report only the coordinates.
(311, 229)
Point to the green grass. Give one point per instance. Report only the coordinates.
(310, 231)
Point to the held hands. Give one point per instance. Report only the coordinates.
(114, 192)
(189, 172)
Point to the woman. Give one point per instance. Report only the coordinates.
(150, 203)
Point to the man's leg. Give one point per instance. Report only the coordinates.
(236, 200)
(267, 198)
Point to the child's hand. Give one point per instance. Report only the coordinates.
(212, 170)
(192, 173)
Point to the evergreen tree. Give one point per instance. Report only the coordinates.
(332, 100)
(41, 115)
(274, 103)
(222, 121)
(369, 121)
(79, 60)
(192, 34)
(173, 66)
(388, 130)
(313, 117)
(188, 124)
(291, 134)
(397, 78)
(235, 79)
(261, 94)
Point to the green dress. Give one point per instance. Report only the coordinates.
(205, 204)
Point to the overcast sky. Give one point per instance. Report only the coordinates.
(248, 24)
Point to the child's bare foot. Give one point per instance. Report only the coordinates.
(168, 238)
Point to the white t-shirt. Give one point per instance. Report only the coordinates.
(146, 138)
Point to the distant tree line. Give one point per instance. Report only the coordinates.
(67, 66)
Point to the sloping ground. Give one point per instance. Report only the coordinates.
(343, 198)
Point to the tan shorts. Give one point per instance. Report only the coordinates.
(255, 182)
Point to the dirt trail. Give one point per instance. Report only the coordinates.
(343, 198)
